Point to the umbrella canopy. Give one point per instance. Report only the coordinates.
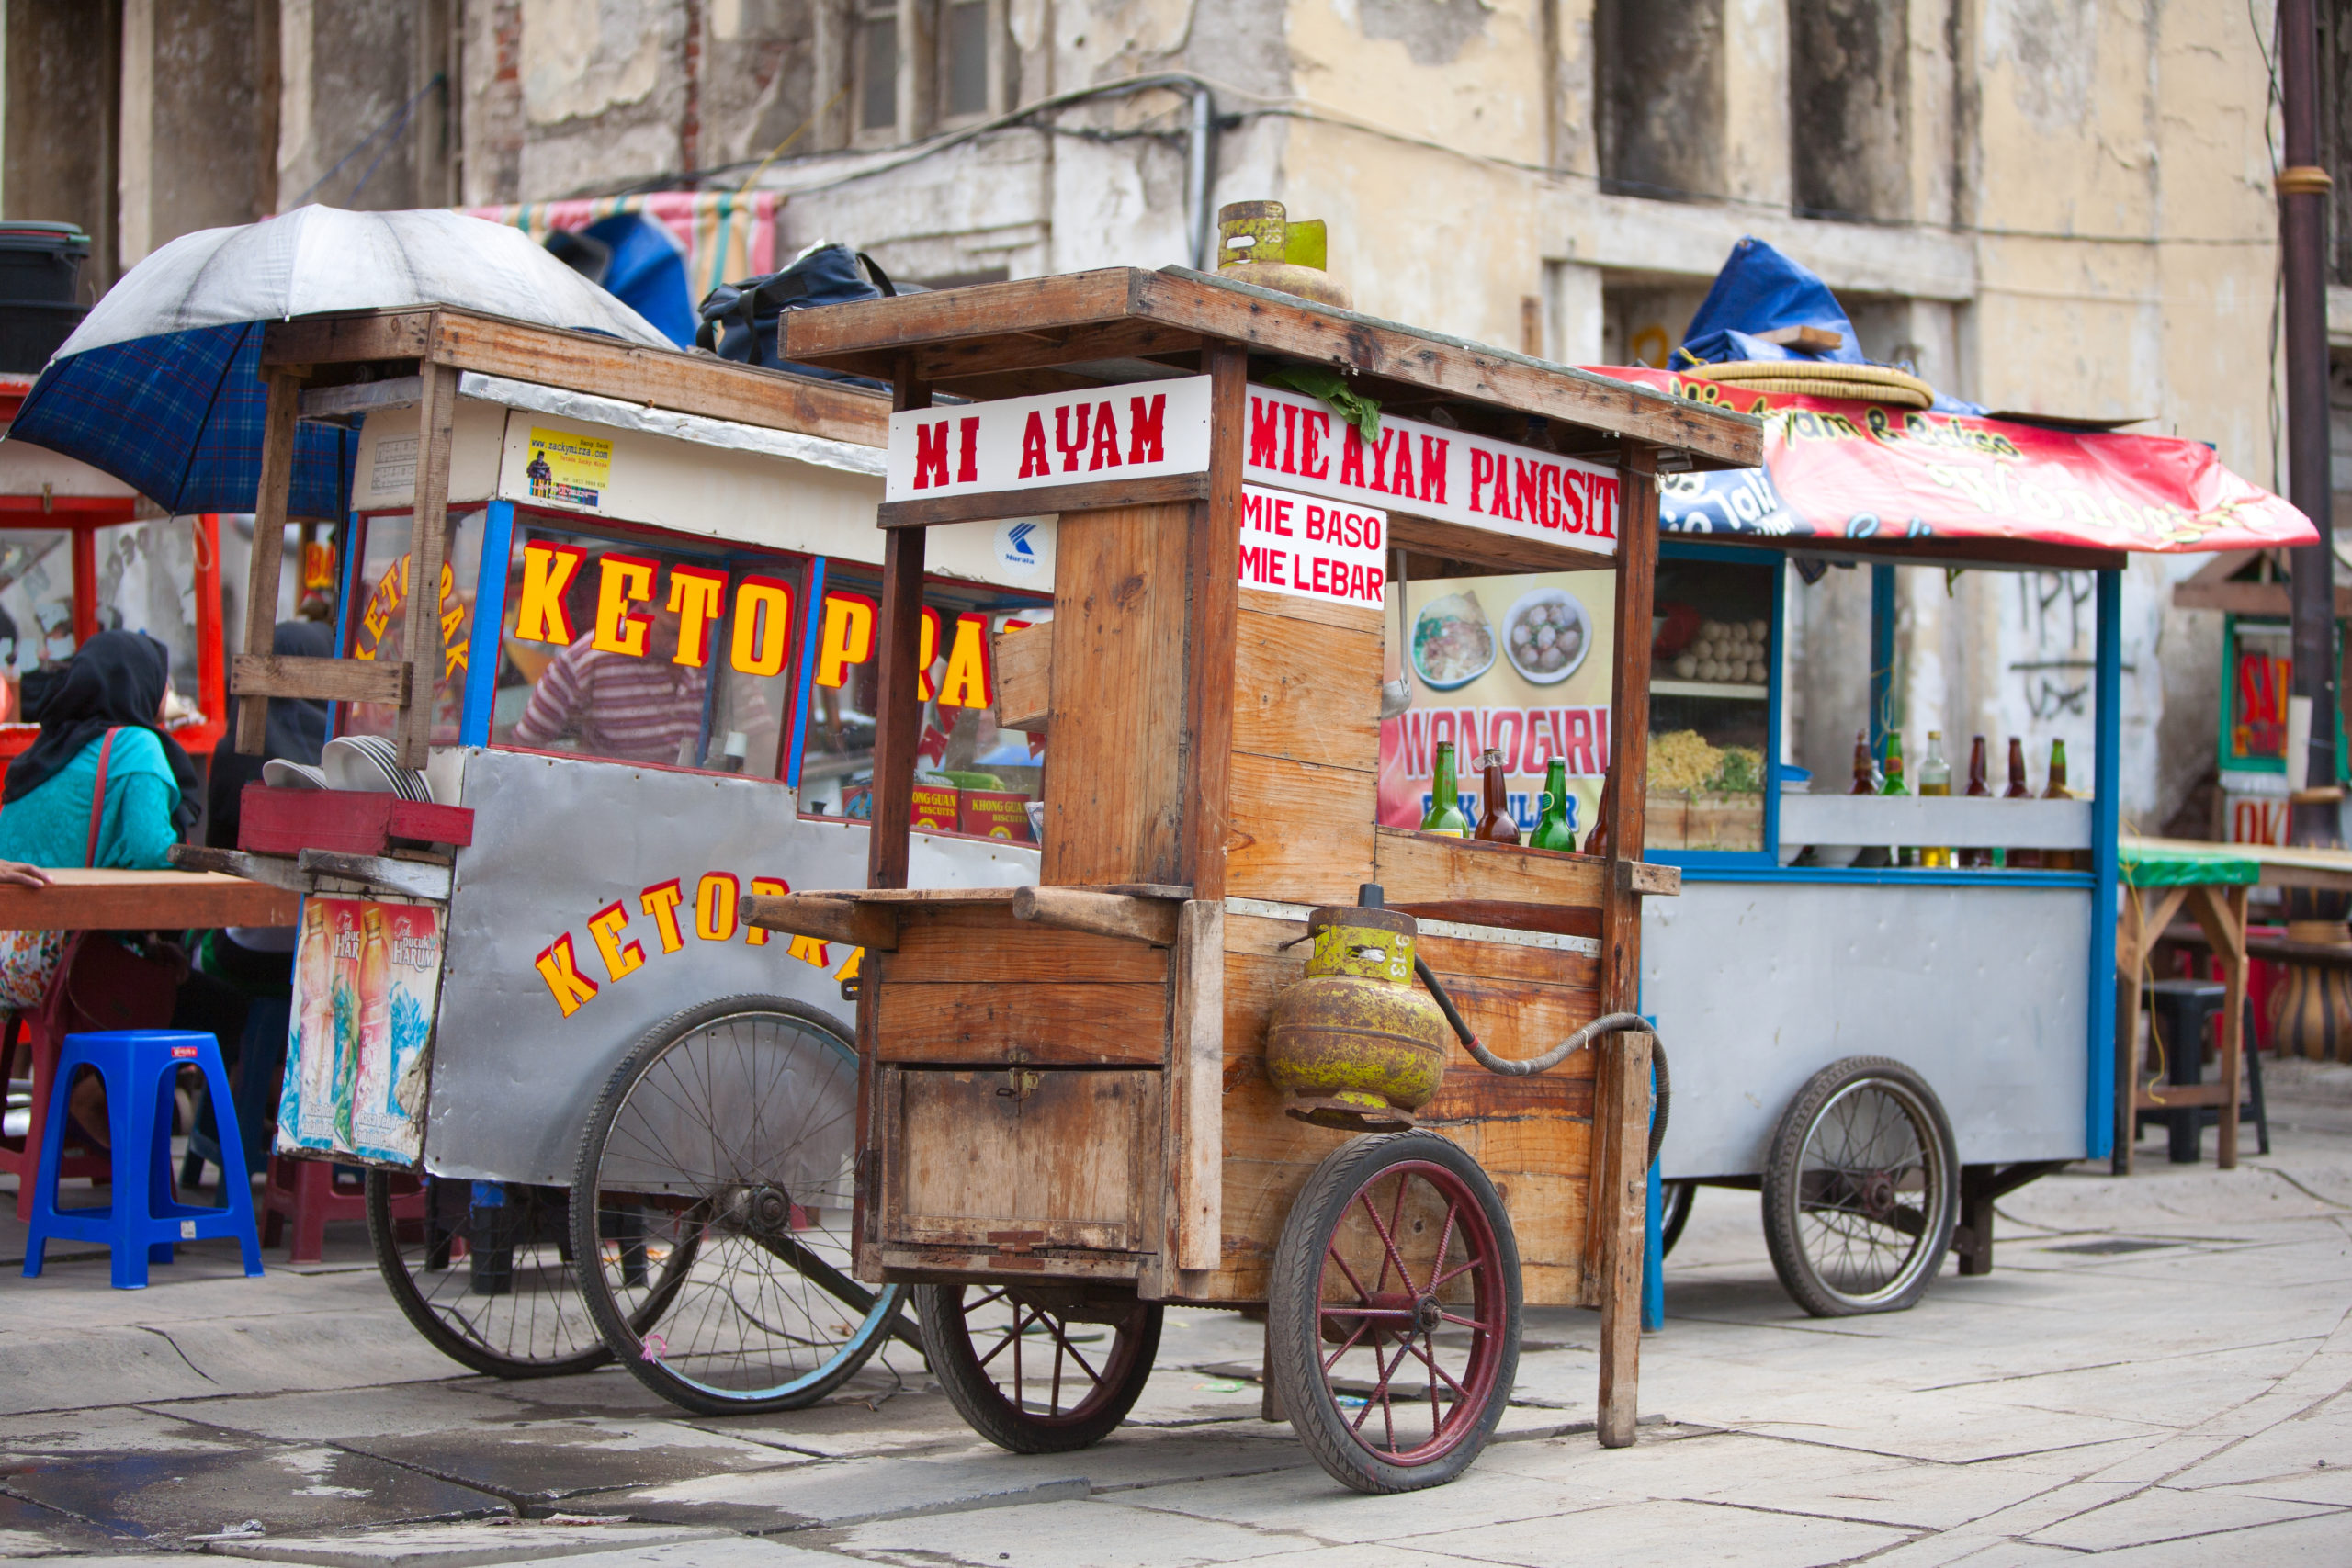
(1850, 468)
(160, 385)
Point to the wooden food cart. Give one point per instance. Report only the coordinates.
(564, 909)
(1065, 1114)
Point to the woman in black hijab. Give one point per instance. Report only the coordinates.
(117, 681)
(298, 730)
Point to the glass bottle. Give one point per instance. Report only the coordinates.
(1445, 817)
(1979, 787)
(2059, 860)
(2019, 860)
(1903, 854)
(1597, 843)
(1865, 769)
(1496, 823)
(1935, 778)
(1552, 830)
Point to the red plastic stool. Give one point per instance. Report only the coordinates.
(311, 1192)
(21, 1156)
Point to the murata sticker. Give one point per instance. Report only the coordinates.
(1313, 549)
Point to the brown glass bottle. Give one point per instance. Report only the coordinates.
(1495, 825)
(1978, 785)
(1597, 841)
(2059, 860)
(2019, 860)
(1865, 769)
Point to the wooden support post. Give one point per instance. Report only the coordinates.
(1629, 730)
(2222, 912)
(428, 550)
(899, 708)
(1211, 566)
(86, 584)
(279, 422)
(1620, 1193)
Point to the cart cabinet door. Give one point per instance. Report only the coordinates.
(1020, 1157)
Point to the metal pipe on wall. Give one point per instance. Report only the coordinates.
(2303, 228)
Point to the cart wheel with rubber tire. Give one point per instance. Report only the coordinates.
(1039, 1369)
(485, 1275)
(1861, 1189)
(1675, 1199)
(1393, 1323)
(711, 1242)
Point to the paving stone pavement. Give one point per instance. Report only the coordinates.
(2158, 1373)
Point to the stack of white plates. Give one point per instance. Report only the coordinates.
(369, 763)
(279, 773)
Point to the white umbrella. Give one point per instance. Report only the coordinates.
(160, 385)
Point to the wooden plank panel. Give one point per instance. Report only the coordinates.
(1211, 552)
(280, 418)
(898, 708)
(1307, 691)
(1195, 1143)
(1093, 495)
(1114, 782)
(104, 900)
(360, 335)
(1619, 1199)
(428, 552)
(1322, 612)
(1073, 1025)
(343, 680)
(1056, 1161)
(1420, 868)
(1625, 801)
(1024, 678)
(1078, 304)
(662, 377)
(1301, 834)
(976, 944)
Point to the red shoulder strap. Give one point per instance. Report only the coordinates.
(98, 796)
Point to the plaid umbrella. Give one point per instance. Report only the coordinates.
(161, 386)
(179, 417)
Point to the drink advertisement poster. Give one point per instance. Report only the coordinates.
(367, 979)
(1515, 664)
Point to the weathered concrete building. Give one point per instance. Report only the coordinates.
(2059, 206)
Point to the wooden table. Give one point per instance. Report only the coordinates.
(2160, 876)
(145, 900)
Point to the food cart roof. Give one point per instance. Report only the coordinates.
(1854, 477)
(1123, 324)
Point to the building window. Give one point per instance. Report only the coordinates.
(957, 49)
(1658, 76)
(877, 43)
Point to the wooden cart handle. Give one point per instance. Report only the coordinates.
(1123, 914)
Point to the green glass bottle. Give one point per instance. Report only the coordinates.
(1552, 832)
(1906, 854)
(1445, 817)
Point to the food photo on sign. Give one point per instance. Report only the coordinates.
(1519, 665)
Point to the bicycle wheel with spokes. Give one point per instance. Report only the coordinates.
(1393, 1327)
(483, 1270)
(713, 1194)
(1861, 1189)
(1039, 1369)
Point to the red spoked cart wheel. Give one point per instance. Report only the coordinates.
(1039, 1369)
(1393, 1325)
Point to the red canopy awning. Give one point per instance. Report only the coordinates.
(1847, 468)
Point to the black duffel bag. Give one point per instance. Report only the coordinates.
(740, 320)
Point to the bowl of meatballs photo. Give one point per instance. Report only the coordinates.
(1546, 634)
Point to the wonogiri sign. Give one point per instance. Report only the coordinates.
(1294, 443)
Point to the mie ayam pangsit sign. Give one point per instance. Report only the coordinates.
(1148, 429)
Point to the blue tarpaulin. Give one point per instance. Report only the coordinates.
(1760, 290)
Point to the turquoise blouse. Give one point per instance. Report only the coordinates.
(50, 826)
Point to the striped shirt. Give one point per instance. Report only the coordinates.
(637, 710)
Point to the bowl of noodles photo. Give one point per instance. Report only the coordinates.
(1454, 643)
(1546, 634)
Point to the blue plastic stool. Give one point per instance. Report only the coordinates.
(137, 1067)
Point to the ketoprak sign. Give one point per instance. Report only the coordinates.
(1294, 443)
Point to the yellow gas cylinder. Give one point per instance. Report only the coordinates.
(1354, 1043)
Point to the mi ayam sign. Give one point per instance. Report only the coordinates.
(1144, 429)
